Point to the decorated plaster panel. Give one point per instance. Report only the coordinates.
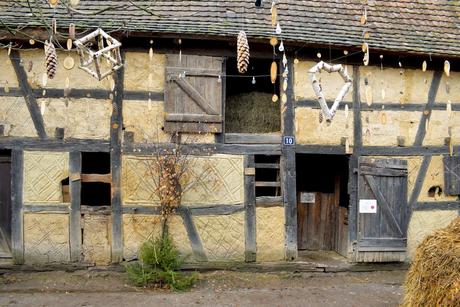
(8, 76)
(15, 117)
(270, 234)
(96, 247)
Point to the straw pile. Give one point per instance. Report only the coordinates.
(252, 113)
(434, 276)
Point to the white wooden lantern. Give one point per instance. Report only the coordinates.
(93, 48)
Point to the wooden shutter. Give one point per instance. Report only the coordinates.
(383, 180)
(193, 94)
(452, 175)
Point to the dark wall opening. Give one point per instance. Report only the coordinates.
(267, 170)
(5, 202)
(95, 193)
(248, 105)
(317, 173)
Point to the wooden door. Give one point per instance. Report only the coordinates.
(193, 94)
(5, 206)
(382, 209)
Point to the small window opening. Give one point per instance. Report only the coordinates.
(96, 178)
(65, 190)
(268, 181)
(248, 104)
(435, 191)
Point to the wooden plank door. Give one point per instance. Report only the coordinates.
(382, 209)
(193, 94)
(5, 206)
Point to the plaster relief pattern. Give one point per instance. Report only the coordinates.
(15, 116)
(222, 236)
(270, 233)
(139, 228)
(43, 173)
(46, 238)
(218, 179)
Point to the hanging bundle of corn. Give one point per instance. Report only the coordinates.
(242, 52)
(50, 59)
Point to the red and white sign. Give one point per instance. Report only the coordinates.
(367, 206)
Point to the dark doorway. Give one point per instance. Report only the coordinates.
(96, 179)
(5, 203)
(322, 202)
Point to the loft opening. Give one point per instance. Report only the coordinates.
(248, 98)
(322, 202)
(95, 179)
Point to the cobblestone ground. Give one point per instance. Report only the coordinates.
(220, 288)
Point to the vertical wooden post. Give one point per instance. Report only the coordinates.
(353, 162)
(116, 130)
(250, 209)
(288, 171)
(17, 179)
(75, 198)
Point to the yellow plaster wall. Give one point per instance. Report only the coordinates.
(138, 67)
(77, 77)
(46, 238)
(270, 233)
(43, 172)
(139, 228)
(218, 180)
(222, 236)
(423, 223)
(438, 127)
(331, 83)
(308, 129)
(15, 116)
(382, 128)
(449, 88)
(97, 238)
(8, 76)
(83, 118)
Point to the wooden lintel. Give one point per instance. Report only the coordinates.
(29, 143)
(252, 138)
(104, 178)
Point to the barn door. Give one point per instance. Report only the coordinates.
(5, 206)
(193, 94)
(382, 207)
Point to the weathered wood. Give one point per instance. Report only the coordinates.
(215, 209)
(288, 170)
(419, 181)
(389, 224)
(194, 118)
(250, 212)
(451, 175)
(132, 209)
(269, 201)
(37, 208)
(59, 133)
(421, 131)
(267, 165)
(116, 130)
(406, 151)
(145, 148)
(220, 137)
(107, 178)
(320, 149)
(29, 97)
(75, 199)
(193, 93)
(436, 205)
(251, 138)
(20, 143)
(193, 236)
(268, 184)
(382, 171)
(17, 178)
(358, 127)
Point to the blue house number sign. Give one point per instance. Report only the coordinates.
(288, 140)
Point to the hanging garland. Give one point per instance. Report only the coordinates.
(326, 111)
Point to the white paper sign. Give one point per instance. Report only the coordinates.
(367, 206)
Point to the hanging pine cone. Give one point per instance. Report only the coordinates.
(242, 52)
(50, 60)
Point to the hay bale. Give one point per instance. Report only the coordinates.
(433, 278)
(253, 112)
